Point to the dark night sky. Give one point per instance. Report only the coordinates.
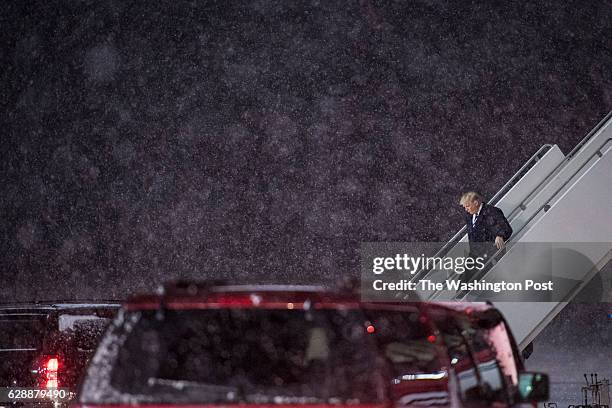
(266, 141)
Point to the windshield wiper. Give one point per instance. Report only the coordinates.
(185, 384)
(283, 399)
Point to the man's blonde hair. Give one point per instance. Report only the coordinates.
(469, 197)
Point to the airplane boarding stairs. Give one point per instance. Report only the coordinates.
(562, 200)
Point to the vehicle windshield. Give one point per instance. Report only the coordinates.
(265, 356)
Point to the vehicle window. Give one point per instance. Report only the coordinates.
(404, 340)
(85, 333)
(472, 357)
(240, 355)
(414, 360)
(77, 335)
(18, 332)
(460, 355)
(21, 342)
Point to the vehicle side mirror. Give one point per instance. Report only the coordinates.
(533, 387)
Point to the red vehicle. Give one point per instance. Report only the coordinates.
(205, 345)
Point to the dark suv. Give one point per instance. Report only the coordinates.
(202, 344)
(47, 346)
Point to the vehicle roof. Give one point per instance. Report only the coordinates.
(241, 296)
(188, 295)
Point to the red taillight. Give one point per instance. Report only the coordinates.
(50, 371)
(52, 364)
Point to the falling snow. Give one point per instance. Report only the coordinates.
(264, 141)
